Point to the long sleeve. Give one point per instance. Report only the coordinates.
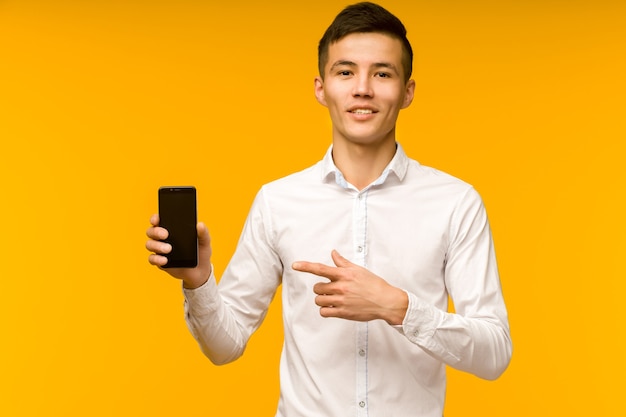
(215, 329)
(223, 316)
(475, 338)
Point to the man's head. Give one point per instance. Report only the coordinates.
(365, 17)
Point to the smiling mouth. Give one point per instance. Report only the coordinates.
(362, 111)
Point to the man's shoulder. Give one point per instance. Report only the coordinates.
(295, 181)
(439, 187)
(430, 175)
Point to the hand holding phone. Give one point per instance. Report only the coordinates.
(178, 214)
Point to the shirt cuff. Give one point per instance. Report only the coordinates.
(201, 301)
(421, 321)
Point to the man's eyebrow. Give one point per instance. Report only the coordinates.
(343, 63)
(387, 65)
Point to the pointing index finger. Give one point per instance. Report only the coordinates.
(316, 269)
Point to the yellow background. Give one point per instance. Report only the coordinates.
(102, 101)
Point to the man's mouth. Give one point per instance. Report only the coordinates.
(362, 111)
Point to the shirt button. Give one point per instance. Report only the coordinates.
(361, 352)
(416, 333)
(362, 404)
(359, 249)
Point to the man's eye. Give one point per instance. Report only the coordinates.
(383, 75)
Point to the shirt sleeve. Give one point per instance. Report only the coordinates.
(222, 317)
(475, 338)
(210, 323)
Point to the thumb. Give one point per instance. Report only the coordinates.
(204, 239)
(203, 232)
(339, 260)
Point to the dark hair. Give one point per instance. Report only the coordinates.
(365, 17)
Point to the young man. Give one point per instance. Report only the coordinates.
(367, 244)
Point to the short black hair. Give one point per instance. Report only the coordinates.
(365, 17)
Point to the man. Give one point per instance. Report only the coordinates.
(367, 244)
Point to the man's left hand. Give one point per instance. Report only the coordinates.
(354, 293)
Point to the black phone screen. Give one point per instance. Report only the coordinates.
(177, 213)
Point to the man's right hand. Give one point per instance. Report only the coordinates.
(191, 277)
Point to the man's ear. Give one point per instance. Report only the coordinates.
(319, 91)
(409, 93)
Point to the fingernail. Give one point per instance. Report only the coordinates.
(296, 265)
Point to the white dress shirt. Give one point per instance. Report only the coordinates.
(418, 228)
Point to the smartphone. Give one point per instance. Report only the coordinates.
(178, 214)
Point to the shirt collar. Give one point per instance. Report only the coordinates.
(398, 166)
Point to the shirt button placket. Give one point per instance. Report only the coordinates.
(360, 252)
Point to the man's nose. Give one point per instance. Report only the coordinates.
(363, 86)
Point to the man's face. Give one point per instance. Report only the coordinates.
(364, 88)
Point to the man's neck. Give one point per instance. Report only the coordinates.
(362, 164)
